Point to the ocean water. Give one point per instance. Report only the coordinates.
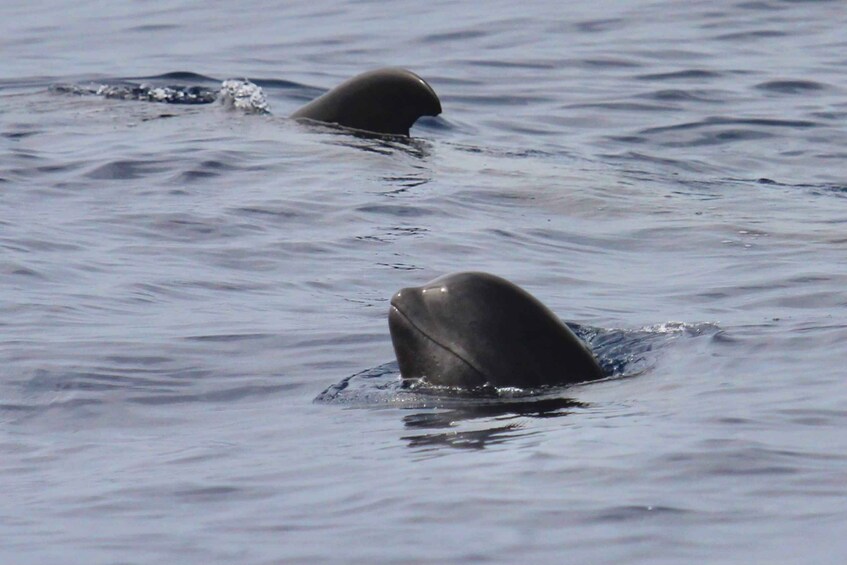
(179, 283)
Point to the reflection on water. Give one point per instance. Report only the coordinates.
(471, 439)
(491, 414)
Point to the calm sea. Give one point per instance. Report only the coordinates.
(178, 283)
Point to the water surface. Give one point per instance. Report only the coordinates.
(178, 283)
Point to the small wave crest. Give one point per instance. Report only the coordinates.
(240, 94)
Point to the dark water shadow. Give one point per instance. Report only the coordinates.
(370, 142)
(534, 408)
(501, 422)
(475, 439)
(817, 189)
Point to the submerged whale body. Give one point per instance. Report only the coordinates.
(386, 101)
(474, 330)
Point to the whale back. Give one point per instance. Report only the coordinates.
(386, 101)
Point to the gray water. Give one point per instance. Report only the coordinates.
(178, 283)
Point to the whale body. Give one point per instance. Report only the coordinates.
(384, 101)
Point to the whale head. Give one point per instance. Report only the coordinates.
(471, 330)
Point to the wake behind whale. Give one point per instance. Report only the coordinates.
(385, 101)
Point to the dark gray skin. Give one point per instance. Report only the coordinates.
(386, 101)
(474, 330)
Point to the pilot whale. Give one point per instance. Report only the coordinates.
(385, 101)
(474, 330)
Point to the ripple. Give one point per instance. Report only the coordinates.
(679, 95)
(689, 74)
(37, 245)
(508, 64)
(609, 63)
(152, 28)
(126, 169)
(227, 338)
(791, 86)
(396, 211)
(185, 227)
(459, 35)
(215, 493)
(721, 121)
(226, 395)
(622, 107)
(19, 270)
(719, 130)
(751, 35)
(600, 25)
(639, 513)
